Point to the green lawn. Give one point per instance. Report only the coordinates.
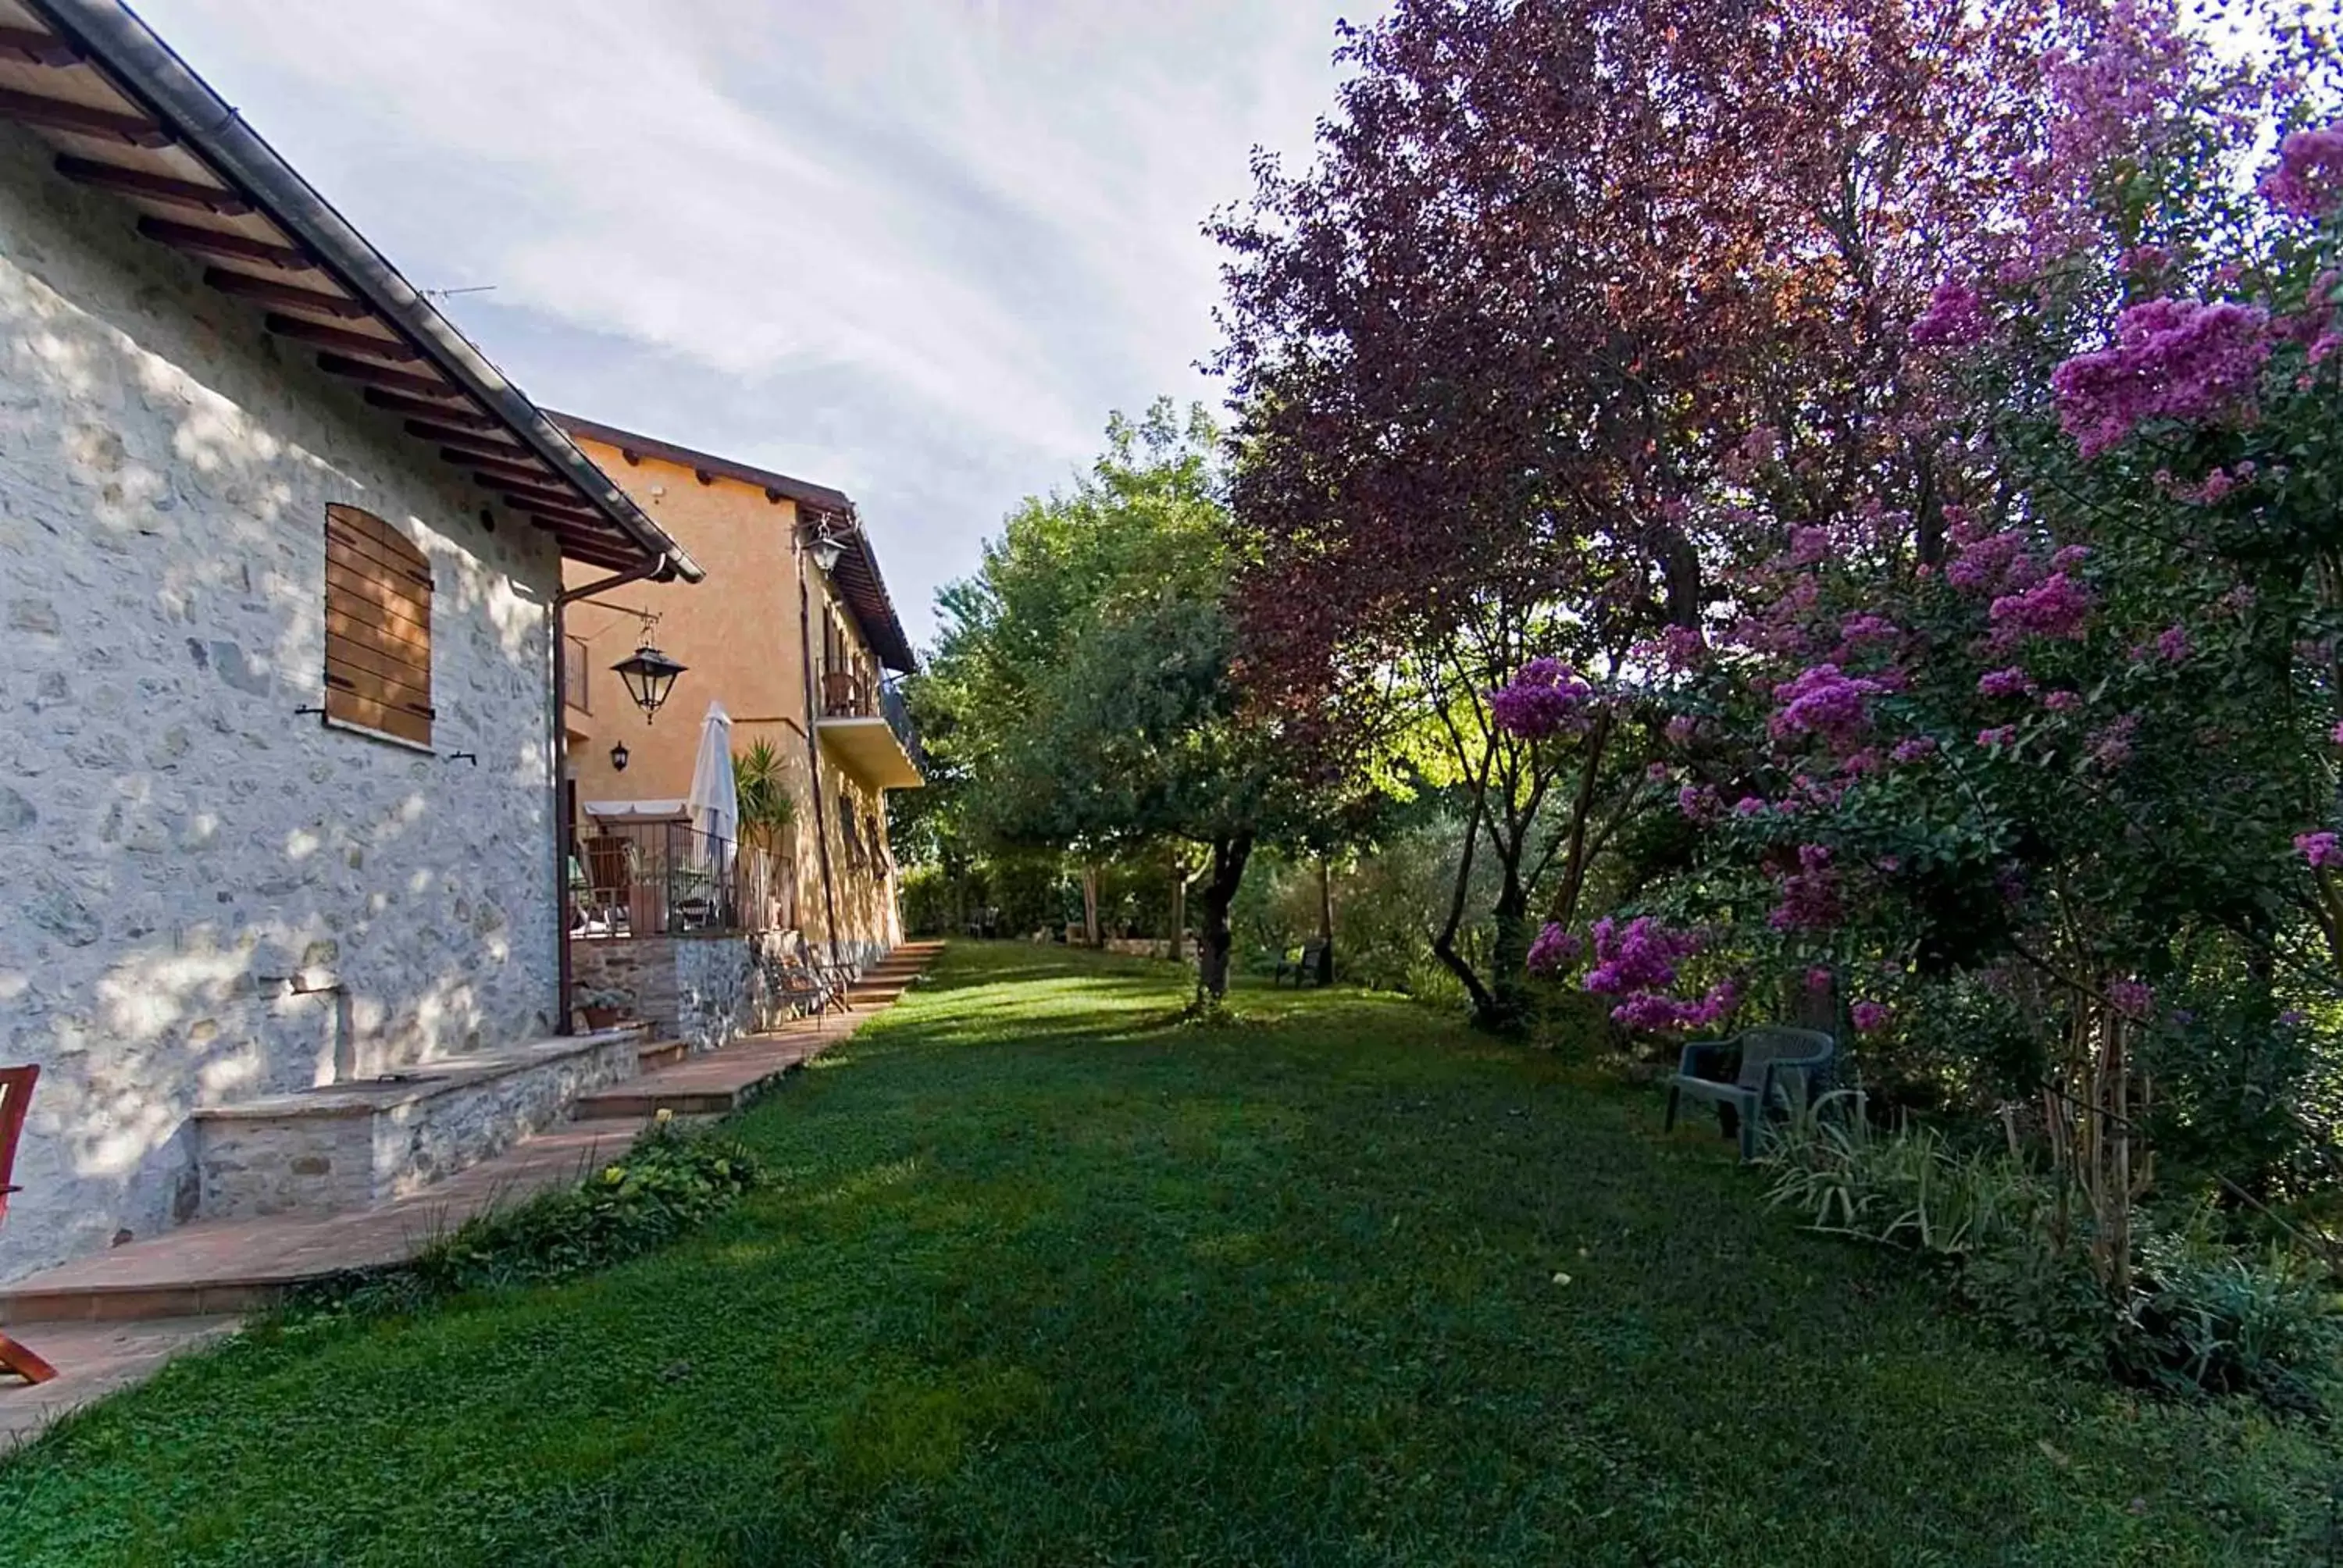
(1052, 1279)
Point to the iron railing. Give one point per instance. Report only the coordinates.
(668, 879)
(847, 695)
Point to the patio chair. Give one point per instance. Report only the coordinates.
(610, 878)
(793, 980)
(15, 1100)
(838, 977)
(1779, 1067)
(1305, 969)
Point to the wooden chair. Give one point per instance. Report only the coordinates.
(609, 875)
(15, 1100)
(837, 977)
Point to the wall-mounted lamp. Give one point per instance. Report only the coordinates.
(618, 758)
(825, 552)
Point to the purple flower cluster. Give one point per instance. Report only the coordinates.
(1914, 750)
(2131, 998)
(1822, 702)
(2307, 181)
(2172, 360)
(2056, 606)
(2111, 747)
(2321, 850)
(1545, 697)
(2062, 701)
(1553, 948)
(1999, 735)
(2011, 682)
(1642, 955)
(1649, 1010)
(1868, 1017)
(1954, 318)
(1810, 899)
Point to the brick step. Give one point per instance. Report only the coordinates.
(712, 1083)
(657, 1053)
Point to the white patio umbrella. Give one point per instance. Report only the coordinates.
(714, 801)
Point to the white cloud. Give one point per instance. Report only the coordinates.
(916, 250)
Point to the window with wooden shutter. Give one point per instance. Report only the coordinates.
(377, 627)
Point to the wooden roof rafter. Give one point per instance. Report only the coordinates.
(125, 117)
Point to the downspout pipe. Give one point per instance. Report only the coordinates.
(813, 751)
(147, 68)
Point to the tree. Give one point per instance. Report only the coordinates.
(1086, 673)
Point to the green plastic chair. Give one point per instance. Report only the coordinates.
(1779, 1066)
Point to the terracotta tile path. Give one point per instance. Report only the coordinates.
(110, 1319)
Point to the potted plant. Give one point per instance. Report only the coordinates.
(603, 1005)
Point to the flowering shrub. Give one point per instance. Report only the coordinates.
(1545, 699)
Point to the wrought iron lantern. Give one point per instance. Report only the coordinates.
(618, 758)
(650, 675)
(825, 552)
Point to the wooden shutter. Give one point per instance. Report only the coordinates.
(377, 627)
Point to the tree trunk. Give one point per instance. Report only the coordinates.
(1229, 856)
(1091, 934)
(1509, 956)
(1444, 940)
(1179, 908)
(1325, 922)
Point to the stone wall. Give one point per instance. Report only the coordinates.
(702, 990)
(210, 895)
(340, 1149)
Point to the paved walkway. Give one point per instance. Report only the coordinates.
(110, 1319)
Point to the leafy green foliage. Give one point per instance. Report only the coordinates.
(2204, 1316)
(767, 809)
(668, 1183)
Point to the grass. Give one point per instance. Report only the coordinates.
(1052, 1279)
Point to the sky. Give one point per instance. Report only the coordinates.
(915, 249)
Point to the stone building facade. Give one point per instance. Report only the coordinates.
(210, 895)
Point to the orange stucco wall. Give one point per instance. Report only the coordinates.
(739, 635)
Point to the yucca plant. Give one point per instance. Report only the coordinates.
(767, 810)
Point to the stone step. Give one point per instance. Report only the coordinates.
(714, 1083)
(352, 1146)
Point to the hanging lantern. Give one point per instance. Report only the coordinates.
(650, 675)
(618, 758)
(825, 552)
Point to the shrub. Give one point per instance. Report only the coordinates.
(666, 1184)
(2202, 1317)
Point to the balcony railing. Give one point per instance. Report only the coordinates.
(846, 695)
(668, 879)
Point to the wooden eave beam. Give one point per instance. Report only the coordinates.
(570, 517)
(475, 445)
(462, 418)
(24, 46)
(153, 187)
(341, 337)
(51, 113)
(268, 290)
(527, 496)
(491, 468)
(382, 376)
(219, 242)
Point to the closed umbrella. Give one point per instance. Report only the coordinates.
(714, 803)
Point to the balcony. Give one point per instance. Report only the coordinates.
(866, 731)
